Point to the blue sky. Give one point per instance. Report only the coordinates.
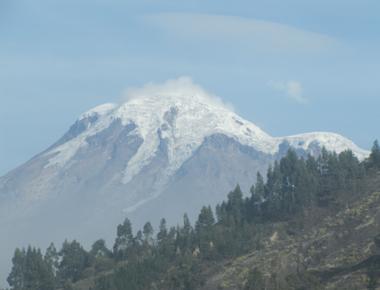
(288, 66)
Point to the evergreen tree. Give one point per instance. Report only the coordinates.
(99, 249)
(30, 271)
(273, 192)
(327, 166)
(52, 258)
(148, 233)
(124, 240)
(165, 241)
(235, 206)
(373, 161)
(163, 232)
(259, 188)
(74, 260)
(185, 235)
(204, 232)
(16, 278)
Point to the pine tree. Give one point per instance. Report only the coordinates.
(254, 203)
(163, 232)
(273, 192)
(373, 161)
(148, 233)
(328, 168)
(259, 188)
(235, 206)
(16, 278)
(204, 231)
(185, 235)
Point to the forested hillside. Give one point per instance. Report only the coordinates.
(294, 231)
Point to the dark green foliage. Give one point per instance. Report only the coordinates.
(205, 232)
(16, 278)
(185, 235)
(99, 249)
(74, 260)
(30, 271)
(124, 240)
(373, 161)
(101, 256)
(148, 234)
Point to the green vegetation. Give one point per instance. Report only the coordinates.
(181, 257)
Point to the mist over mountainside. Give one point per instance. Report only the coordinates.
(166, 150)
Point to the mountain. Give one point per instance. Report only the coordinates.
(166, 150)
(315, 229)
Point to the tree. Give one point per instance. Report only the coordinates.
(373, 161)
(99, 249)
(52, 258)
(185, 235)
(273, 191)
(148, 233)
(204, 232)
(30, 271)
(235, 206)
(166, 240)
(328, 169)
(124, 240)
(16, 278)
(74, 259)
(163, 233)
(259, 188)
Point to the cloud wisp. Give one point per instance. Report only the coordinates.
(255, 35)
(180, 87)
(292, 89)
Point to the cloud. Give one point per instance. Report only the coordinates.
(250, 33)
(179, 87)
(292, 89)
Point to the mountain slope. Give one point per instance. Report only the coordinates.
(297, 243)
(339, 249)
(167, 150)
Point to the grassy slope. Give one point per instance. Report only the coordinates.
(336, 247)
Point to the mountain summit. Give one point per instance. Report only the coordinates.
(179, 116)
(168, 149)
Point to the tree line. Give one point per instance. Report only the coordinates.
(178, 257)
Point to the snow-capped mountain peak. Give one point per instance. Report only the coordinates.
(166, 150)
(98, 111)
(180, 114)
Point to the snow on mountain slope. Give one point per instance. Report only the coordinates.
(182, 115)
(331, 141)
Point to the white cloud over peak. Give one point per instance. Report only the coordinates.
(182, 86)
